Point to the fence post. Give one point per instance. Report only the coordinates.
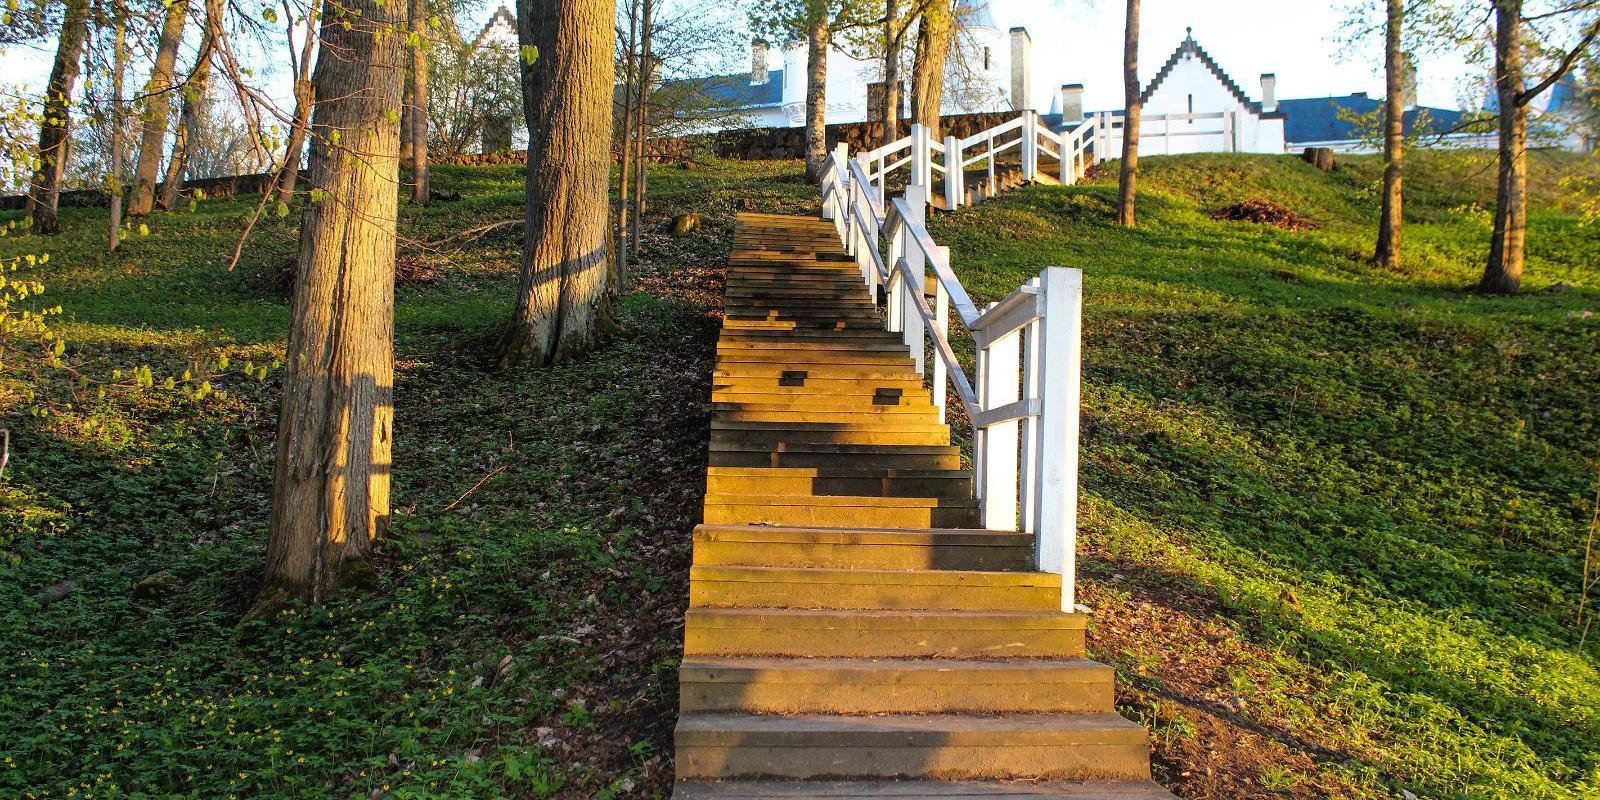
(1030, 147)
(999, 386)
(941, 321)
(953, 178)
(921, 156)
(912, 284)
(1057, 488)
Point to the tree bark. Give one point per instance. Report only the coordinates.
(567, 96)
(157, 110)
(194, 93)
(119, 65)
(419, 99)
(304, 99)
(927, 71)
(1503, 273)
(56, 123)
(891, 71)
(647, 74)
(818, 38)
(331, 477)
(1127, 181)
(1387, 252)
(619, 276)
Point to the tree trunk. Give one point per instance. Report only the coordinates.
(927, 71)
(891, 72)
(818, 39)
(56, 123)
(1387, 253)
(194, 94)
(619, 276)
(289, 173)
(119, 65)
(157, 110)
(419, 99)
(1503, 273)
(1128, 179)
(330, 496)
(647, 74)
(567, 104)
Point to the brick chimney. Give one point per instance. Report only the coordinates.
(1021, 53)
(758, 62)
(1269, 92)
(1072, 103)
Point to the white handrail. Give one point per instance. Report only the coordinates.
(1023, 397)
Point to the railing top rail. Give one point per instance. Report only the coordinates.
(1004, 127)
(941, 266)
(886, 150)
(874, 202)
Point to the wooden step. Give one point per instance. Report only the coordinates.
(889, 512)
(952, 746)
(862, 548)
(893, 686)
(797, 397)
(859, 633)
(830, 456)
(776, 433)
(964, 790)
(803, 587)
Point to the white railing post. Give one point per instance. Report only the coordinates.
(999, 385)
(1028, 460)
(953, 173)
(895, 249)
(1056, 487)
(941, 322)
(990, 192)
(921, 156)
(911, 324)
(1030, 147)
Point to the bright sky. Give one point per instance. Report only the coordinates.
(1080, 41)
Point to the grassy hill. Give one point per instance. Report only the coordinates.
(1333, 518)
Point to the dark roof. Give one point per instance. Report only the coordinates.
(735, 91)
(1318, 119)
(1189, 45)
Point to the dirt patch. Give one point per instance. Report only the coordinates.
(1265, 212)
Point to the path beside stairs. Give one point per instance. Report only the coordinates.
(850, 632)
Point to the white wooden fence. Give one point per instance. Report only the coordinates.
(1023, 398)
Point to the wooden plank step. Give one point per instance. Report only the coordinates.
(893, 686)
(861, 548)
(859, 633)
(950, 746)
(813, 587)
(897, 512)
(965, 790)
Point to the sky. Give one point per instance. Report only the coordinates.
(1080, 41)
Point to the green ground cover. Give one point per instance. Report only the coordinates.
(1333, 517)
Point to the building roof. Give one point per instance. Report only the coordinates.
(1191, 47)
(736, 91)
(501, 16)
(1318, 119)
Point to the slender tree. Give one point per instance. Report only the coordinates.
(934, 37)
(194, 98)
(1503, 272)
(157, 111)
(419, 98)
(630, 57)
(1387, 253)
(56, 123)
(288, 173)
(119, 65)
(1129, 174)
(567, 95)
(647, 75)
(894, 31)
(819, 40)
(331, 477)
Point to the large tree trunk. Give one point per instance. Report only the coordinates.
(157, 110)
(619, 275)
(647, 76)
(194, 94)
(419, 99)
(567, 104)
(927, 71)
(818, 38)
(1127, 188)
(1387, 253)
(56, 124)
(891, 72)
(119, 65)
(330, 497)
(1503, 273)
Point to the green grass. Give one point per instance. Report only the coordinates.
(1384, 481)
(1332, 524)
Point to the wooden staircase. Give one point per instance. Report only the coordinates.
(850, 632)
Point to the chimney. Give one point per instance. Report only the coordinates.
(1021, 51)
(1408, 82)
(758, 62)
(1072, 103)
(1269, 92)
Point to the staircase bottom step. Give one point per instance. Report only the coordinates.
(971, 790)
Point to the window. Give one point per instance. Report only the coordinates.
(986, 58)
(1191, 104)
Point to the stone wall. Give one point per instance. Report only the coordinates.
(789, 143)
